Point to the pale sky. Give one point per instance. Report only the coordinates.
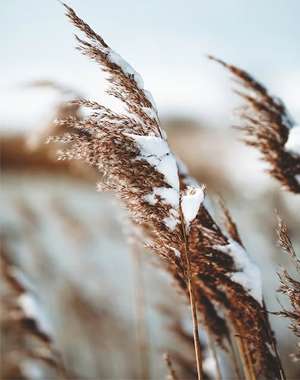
(166, 41)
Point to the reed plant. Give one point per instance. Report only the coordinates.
(209, 264)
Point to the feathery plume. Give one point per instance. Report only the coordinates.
(131, 150)
(229, 226)
(289, 287)
(29, 344)
(270, 128)
(232, 282)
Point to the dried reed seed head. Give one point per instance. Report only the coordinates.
(269, 127)
(132, 151)
(285, 243)
(22, 303)
(126, 84)
(23, 326)
(288, 286)
(220, 276)
(229, 226)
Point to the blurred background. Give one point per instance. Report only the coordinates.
(68, 239)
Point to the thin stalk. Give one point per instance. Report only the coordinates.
(252, 372)
(234, 360)
(192, 301)
(191, 294)
(243, 358)
(141, 317)
(281, 370)
(212, 348)
(195, 321)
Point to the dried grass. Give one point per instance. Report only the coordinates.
(289, 287)
(24, 336)
(267, 125)
(200, 256)
(131, 151)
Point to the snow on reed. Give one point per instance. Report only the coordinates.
(131, 150)
(248, 273)
(190, 204)
(268, 126)
(293, 141)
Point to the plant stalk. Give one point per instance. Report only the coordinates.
(234, 360)
(281, 370)
(141, 317)
(252, 372)
(192, 302)
(243, 356)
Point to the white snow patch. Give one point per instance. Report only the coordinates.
(156, 151)
(151, 145)
(177, 253)
(164, 134)
(168, 168)
(129, 71)
(150, 198)
(182, 168)
(169, 196)
(171, 222)
(126, 67)
(250, 275)
(33, 310)
(293, 142)
(190, 203)
(174, 213)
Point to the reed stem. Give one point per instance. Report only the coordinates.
(281, 370)
(234, 359)
(250, 363)
(192, 301)
(243, 357)
(141, 317)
